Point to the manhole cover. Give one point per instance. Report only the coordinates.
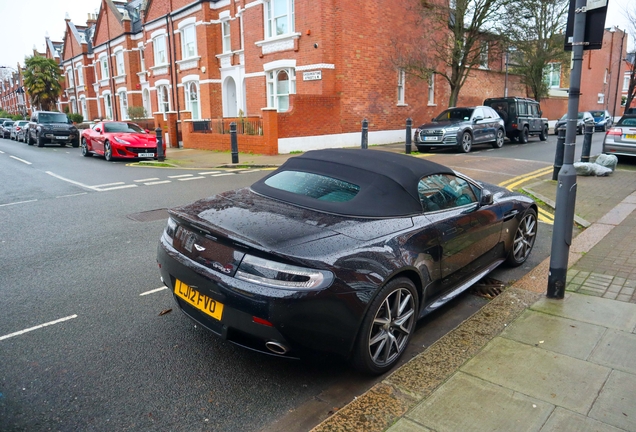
(149, 216)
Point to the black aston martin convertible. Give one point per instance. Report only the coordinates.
(340, 251)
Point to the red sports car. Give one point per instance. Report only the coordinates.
(115, 139)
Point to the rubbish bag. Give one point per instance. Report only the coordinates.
(590, 169)
(608, 161)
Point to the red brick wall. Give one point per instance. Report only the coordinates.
(310, 115)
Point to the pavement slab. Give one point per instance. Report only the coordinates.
(467, 403)
(590, 309)
(554, 378)
(617, 349)
(565, 420)
(615, 404)
(556, 334)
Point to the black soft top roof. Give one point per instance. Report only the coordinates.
(388, 181)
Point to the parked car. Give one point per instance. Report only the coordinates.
(522, 117)
(340, 251)
(461, 127)
(18, 129)
(5, 128)
(52, 127)
(602, 120)
(583, 118)
(621, 139)
(115, 139)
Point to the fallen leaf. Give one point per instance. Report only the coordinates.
(165, 311)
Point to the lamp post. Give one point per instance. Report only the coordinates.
(618, 76)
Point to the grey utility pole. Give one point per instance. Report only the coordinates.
(566, 186)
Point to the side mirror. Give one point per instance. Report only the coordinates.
(478, 118)
(98, 130)
(486, 198)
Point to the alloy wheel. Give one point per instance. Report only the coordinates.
(524, 238)
(467, 142)
(108, 151)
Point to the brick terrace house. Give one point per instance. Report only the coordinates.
(302, 73)
(12, 97)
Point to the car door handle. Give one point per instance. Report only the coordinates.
(451, 231)
(511, 214)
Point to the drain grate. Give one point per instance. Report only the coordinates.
(488, 287)
(149, 216)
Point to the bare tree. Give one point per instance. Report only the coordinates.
(451, 40)
(535, 30)
(631, 58)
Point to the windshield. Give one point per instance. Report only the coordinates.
(455, 114)
(122, 127)
(597, 113)
(53, 118)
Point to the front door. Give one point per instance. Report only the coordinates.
(229, 98)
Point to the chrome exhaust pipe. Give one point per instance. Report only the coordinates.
(276, 347)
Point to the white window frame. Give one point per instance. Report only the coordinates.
(108, 105)
(80, 75)
(552, 75)
(83, 108)
(122, 94)
(71, 78)
(278, 97)
(431, 90)
(226, 36)
(103, 67)
(188, 39)
(626, 83)
(279, 11)
(145, 100)
(159, 49)
(601, 98)
(483, 55)
(163, 103)
(142, 58)
(119, 63)
(196, 109)
(401, 81)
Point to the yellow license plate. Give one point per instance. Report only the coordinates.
(630, 136)
(200, 301)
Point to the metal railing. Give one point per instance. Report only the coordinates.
(222, 126)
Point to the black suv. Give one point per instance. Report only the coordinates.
(522, 117)
(51, 127)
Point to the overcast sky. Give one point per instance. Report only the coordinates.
(26, 22)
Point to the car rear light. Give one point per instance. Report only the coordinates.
(614, 132)
(171, 229)
(274, 274)
(514, 125)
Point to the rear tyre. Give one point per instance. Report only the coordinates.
(29, 140)
(108, 152)
(544, 134)
(524, 135)
(523, 241)
(387, 327)
(499, 140)
(40, 141)
(467, 142)
(76, 143)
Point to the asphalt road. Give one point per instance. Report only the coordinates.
(78, 240)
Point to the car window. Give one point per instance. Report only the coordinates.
(52, 118)
(316, 186)
(455, 114)
(597, 113)
(479, 113)
(444, 191)
(534, 110)
(627, 122)
(122, 127)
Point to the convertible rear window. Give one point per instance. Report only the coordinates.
(316, 186)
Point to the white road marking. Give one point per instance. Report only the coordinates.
(254, 170)
(18, 333)
(1, 152)
(146, 180)
(157, 182)
(180, 176)
(71, 195)
(21, 160)
(117, 188)
(209, 172)
(72, 181)
(153, 291)
(108, 184)
(17, 202)
(191, 178)
(224, 174)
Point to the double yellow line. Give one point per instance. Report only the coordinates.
(512, 183)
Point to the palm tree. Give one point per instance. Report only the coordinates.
(42, 81)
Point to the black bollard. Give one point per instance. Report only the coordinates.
(587, 143)
(160, 155)
(234, 143)
(409, 123)
(558, 157)
(365, 134)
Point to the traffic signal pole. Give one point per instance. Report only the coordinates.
(566, 185)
